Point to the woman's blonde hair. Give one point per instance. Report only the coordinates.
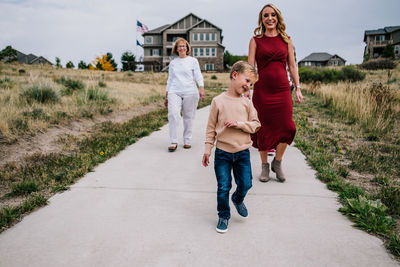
(280, 26)
(175, 48)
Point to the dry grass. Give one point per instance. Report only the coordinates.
(118, 91)
(374, 103)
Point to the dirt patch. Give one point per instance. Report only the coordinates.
(49, 141)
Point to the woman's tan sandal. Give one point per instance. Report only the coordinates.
(172, 147)
(187, 146)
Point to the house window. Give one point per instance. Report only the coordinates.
(195, 52)
(148, 40)
(195, 37)
(201, 36)
(201, 52)
(155, 52)
(207, 52)
(209, 66)
(379, 39)
(213, 52)
(214, 36)
(397, 50)
(335, 63)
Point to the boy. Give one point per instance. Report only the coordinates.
(232, 119)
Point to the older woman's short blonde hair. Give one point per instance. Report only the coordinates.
(175, 48)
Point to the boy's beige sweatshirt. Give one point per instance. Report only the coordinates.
(231, 139)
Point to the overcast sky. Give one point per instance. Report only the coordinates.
(81, 30)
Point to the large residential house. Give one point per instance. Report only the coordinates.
(204, 37)
(31, 59)
(376, 40)
(321, 60)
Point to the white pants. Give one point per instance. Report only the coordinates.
(188, 104)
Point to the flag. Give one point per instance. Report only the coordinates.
(138, 43)
(141, 27)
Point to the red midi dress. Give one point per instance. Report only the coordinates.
(272, 96)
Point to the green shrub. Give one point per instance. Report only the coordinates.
(214, 77)
(70, 85)
(378, 64)
(24, 188)
(369, 215)
(328, 75)
(41, 94)
(21, 71)
(390, 196)
(37, 114)
(351, 74)
(6, 83)
(102, 84)
(96, 94)
(394, 244)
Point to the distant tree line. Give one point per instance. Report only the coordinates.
(104, 62)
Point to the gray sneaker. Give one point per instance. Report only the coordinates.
(264, 177)
(222, 225)
(277, 168)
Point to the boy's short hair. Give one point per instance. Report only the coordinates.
(175, 47)
(241, 67)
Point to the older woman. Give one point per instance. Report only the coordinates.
(272, 50)
(182, 93)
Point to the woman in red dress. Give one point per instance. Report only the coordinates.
(271, 50)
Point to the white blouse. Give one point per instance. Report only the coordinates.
(182, 74)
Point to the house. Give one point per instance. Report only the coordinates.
(376, 40)
(31, 59)
(204, 37)
(321, 60)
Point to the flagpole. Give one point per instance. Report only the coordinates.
(136, 42)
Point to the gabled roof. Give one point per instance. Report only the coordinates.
(319, 57)
(29, 59)
(41, 60)
(385, 30)
(201, 21)
(157, 30)
(190, 14)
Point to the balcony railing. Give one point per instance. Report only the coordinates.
(380, 42)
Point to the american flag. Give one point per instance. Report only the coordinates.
(141, 27)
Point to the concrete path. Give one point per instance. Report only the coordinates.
(148, 207)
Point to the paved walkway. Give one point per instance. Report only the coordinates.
(148, 207)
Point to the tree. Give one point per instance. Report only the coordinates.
(82, 65)
(9, 54)
(128, 61)
(58, 62)
(230, 59)
(388, 51)
(70, 65)
(109, 58)
(102, 63)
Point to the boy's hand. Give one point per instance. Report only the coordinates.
(206, 160)
(247, 94)
(230, 123)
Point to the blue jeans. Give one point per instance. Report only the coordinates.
(223, 165)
